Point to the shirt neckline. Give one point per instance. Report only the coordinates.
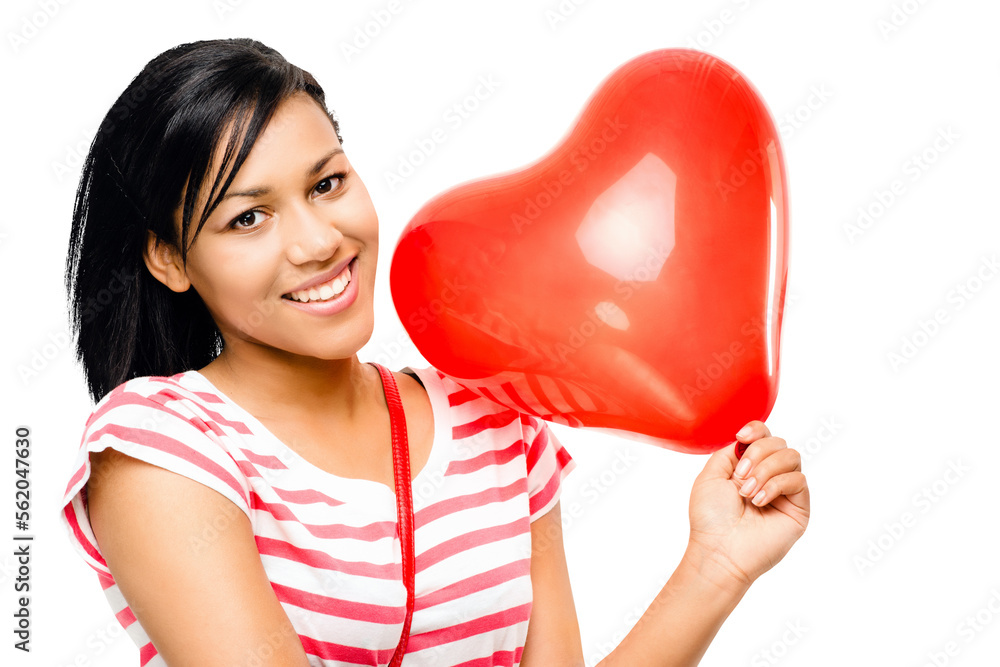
(325, 478)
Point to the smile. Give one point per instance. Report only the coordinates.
(326, 291)
(330, 297)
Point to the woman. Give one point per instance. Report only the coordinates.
(235, 486)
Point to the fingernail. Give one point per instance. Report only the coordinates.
(744, 432)
(748, 487)
(759, 498)
(743, 468)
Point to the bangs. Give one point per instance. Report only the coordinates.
(246, 122)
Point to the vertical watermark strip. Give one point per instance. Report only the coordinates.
(23, 541)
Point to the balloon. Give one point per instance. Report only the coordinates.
(632, 280)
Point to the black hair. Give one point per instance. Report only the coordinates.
(158, 139)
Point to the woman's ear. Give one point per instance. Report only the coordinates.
(164, 261)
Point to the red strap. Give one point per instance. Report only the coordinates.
(404, 498)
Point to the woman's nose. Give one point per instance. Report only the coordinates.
(313, 236)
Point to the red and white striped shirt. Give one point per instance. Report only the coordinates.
(329, 544)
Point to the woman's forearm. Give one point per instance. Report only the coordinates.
(684, 617)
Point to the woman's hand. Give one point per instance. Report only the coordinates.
(746, 513)
(733, 541)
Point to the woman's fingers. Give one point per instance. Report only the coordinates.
(754, 430)
(756, 452)
(790, 487)
(780, 460)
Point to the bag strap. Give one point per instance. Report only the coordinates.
(404, 499)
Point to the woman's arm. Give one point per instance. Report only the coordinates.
(553, 631)
(683, 619)
(676, 629)
(185, 559)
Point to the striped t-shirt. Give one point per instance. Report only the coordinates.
(329, 544)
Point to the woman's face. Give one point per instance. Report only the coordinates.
(293, 217)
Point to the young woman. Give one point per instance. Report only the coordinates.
(237, 483)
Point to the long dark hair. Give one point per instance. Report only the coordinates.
(160, 135)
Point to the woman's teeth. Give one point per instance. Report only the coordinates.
(325, 291)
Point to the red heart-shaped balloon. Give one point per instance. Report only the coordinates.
(630, 280)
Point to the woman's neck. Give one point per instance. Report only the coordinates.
(269, 384)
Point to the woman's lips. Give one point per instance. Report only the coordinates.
(323, 291)
(325, 278)
(334, 304)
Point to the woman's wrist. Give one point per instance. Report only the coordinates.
(717, 569)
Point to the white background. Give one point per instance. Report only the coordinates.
(891, 431)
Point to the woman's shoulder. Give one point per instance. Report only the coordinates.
(472, 409)
(496, 439)
(460, 401)
(141, 428)
(174, 422)
(153, 401)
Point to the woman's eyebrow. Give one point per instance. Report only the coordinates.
(313, 172)
(316, 168)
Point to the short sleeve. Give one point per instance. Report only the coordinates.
(548, 464)
(155, 424)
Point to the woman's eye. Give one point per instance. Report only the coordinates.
(328, 185)
(245, 220)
